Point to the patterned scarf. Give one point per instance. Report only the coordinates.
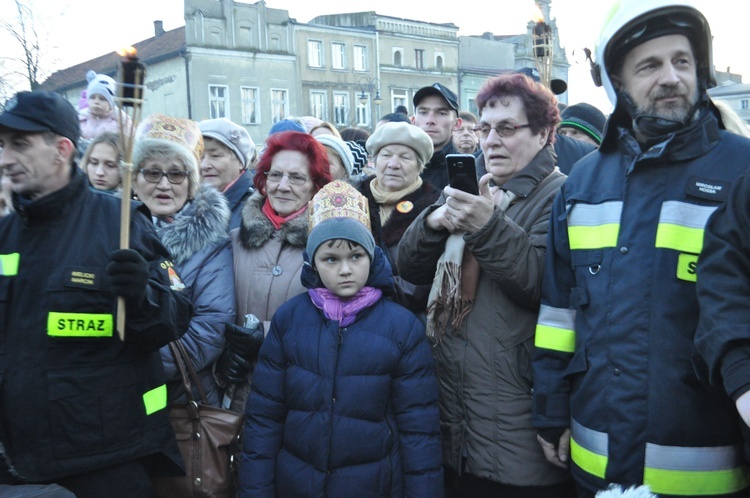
(341, 310)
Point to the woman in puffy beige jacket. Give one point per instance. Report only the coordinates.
(267, 248)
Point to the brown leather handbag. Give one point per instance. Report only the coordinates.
(208, 438)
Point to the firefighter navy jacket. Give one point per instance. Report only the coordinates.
(73, 396)
(619, 313)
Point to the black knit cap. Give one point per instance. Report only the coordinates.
(586, 118)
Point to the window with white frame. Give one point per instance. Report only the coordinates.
(340, 109)
(279, 104)
(250, 105)
(398, 97)
(314, 53)
(218, 101)
(360, 58)
(744, 104)
(338, 55)
(363, 110)
(318, 107)
(398, 56)
(419, 58)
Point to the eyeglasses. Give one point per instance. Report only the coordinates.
(292, 178)
(502, 129)
(175, 177)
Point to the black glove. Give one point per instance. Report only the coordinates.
(128, 275)
(241, 350)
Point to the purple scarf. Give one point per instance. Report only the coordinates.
(341, 310)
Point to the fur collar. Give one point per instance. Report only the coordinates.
(202, 223)
(256, 228)
(397, 224)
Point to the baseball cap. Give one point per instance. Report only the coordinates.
(41, 111)
(556, 85)
(436, 89)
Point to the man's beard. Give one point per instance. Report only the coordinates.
(678, 111)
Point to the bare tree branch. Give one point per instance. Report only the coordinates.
(23, 30)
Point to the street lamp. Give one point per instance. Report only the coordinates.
(370, 85)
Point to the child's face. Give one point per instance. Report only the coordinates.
(103, 168)
(343, 266)
(98, 105)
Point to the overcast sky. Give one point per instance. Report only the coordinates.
(79, 30)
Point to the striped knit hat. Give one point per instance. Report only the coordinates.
(585, 118)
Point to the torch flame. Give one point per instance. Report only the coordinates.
(128, 52)
(536, 14)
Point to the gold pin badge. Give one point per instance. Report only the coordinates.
(404, 206)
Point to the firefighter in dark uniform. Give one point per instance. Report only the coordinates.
(616, 396)
(78, 406)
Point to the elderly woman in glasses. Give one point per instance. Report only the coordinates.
(193, 224)
(269, 244)
(484, 255)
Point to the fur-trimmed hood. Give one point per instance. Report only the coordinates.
(202, 223)
(256, 228)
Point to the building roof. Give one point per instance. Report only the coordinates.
(166, 45)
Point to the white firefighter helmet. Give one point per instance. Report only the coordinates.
(632, 22)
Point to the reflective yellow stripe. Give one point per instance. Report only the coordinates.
(695, 483)
(588, 460)
(589, 449)
(155, 399)
(79, 324)
(594, 226)
(681, 226)
(555, 329)
(687, 471)
(9, 264)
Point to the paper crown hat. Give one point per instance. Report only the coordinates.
(339, 211)
(338, 199)
(184, 132)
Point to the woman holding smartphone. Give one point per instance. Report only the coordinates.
(484, 255)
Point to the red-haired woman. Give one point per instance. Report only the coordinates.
(268, 245)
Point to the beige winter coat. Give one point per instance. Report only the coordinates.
(267, 262)
(267, 268)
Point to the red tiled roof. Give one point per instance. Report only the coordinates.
(150, 50)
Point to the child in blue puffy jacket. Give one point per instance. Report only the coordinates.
(344, 396)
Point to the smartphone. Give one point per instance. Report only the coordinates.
(462, 172)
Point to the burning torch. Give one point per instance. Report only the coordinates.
(130, 75)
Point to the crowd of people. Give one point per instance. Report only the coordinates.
(576, 327)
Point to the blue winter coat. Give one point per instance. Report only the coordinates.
(198, 240)
(343, 412)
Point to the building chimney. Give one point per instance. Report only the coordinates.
(158, 28)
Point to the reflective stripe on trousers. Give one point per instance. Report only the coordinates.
(671, 470)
